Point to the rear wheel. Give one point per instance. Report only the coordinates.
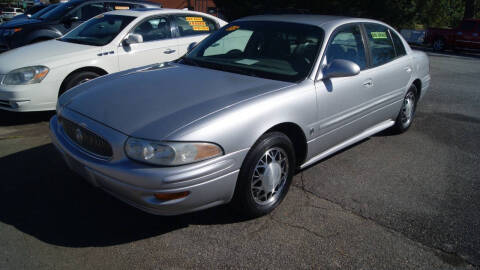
(407, 112)
(78, 78)
(265, 175)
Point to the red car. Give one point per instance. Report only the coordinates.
(465, 36)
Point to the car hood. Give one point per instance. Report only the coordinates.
(51, 53)
(17, 22)
(153, 102)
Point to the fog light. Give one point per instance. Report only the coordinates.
(171, 196)
(16, 104)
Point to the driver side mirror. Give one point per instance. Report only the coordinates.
(340, 68)
(191, 46)
(132, 39)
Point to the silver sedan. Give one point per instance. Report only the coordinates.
(232, 121)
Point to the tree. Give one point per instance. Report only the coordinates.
(469, 9)
(398, 13)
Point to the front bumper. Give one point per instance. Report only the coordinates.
(210, 183)
(31, 97)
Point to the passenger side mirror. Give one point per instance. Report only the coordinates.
(191, 46)
(132, 39)
(340, 68)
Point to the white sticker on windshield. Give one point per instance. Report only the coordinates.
(248, 62)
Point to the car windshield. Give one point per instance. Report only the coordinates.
(274, 50)
(39, 13)
(58, 12)
(98, 31)
(8, 10)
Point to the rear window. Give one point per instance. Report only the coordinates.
(9, 10)
(467, 26)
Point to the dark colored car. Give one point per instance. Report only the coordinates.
(60, 20)
(30, 11)
(465, 36)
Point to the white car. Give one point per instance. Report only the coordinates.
(9, 13)
(34, 76)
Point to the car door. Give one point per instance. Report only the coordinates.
(391, 71)
(191, 28)
(342, 101)
(157, 46)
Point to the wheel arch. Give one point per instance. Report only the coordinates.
(295, 133)
(418, 85)
(98, 70)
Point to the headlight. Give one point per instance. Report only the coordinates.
(26, 75)
(170, 153)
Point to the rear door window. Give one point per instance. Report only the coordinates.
(380, 44)
(190, 25)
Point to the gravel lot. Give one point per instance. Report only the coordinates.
(410, 201)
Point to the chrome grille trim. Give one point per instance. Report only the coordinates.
(90, 142)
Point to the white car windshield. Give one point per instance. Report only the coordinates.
(275, 50)
(98, 31)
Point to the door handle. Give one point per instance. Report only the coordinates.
(168, 51)
(408, 69)
(368, 83)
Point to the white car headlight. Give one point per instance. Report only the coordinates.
(170, 153)
(26, 75)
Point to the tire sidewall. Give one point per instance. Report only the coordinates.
(243, 197)
(75, 79)
(398, 124)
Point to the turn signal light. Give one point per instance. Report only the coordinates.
(171, 196)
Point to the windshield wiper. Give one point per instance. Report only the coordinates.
(188, 61)
(235, 69)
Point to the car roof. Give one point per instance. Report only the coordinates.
(325, 21)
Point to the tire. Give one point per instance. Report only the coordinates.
(255, 196)
(77, 78)
(438, 45)
(407, 112)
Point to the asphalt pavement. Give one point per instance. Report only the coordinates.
(407, 201)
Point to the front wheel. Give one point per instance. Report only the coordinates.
(78, 78)
(407, 112)
(265, 175)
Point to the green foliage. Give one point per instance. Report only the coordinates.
(398, 13)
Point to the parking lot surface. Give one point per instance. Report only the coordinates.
(393, 201)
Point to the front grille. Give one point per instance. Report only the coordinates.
(86, 139)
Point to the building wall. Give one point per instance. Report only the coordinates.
(207, 6)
